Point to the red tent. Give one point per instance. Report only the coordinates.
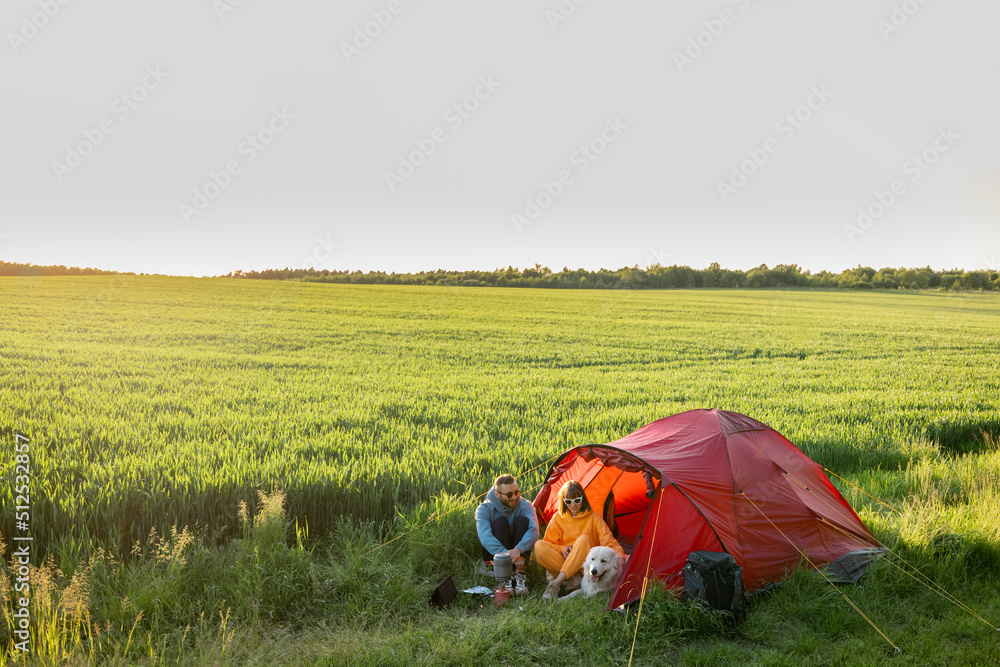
(714, 480)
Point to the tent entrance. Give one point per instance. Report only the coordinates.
(618, 485)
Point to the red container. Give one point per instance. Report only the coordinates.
(501, 596)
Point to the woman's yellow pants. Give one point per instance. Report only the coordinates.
(550, 556)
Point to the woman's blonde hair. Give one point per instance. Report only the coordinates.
(571, 489)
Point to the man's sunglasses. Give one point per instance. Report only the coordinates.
(573, 501)
(510, 494)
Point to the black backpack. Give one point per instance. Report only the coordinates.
(716, 581)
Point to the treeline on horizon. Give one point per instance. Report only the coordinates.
(656, 277)
(15, 269)
(653, 277)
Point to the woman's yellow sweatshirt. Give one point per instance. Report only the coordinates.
(564, 529)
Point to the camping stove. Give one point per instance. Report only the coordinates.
(510, 576)
(503, 570)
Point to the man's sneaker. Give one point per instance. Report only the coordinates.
(573, 583)
(484, 570)
(521, 587)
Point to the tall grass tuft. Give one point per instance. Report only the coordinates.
(273, 582)
(59, 608)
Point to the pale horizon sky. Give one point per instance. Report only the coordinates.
(741, 132)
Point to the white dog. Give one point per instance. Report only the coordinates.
(601, 571)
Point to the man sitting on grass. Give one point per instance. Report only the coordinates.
(506, 522)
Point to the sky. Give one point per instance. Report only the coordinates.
(200, 138)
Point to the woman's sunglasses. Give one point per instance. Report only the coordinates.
(510, 494)
(573, 501)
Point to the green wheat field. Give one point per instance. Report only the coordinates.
(213, 462)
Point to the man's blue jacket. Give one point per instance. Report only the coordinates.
(492, 508)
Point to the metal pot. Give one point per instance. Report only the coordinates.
(503, 567)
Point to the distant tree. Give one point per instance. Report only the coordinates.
(788, 275)
(926, 277)
(951, 281)
(633, 278)
(758, 278)
(711, 276)
(976, 280)
(885, 279)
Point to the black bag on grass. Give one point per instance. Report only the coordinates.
(716, 581)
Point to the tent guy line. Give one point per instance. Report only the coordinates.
(931, 584)
(839, 592)
(645, 579)
(927, 581)
(863, 491)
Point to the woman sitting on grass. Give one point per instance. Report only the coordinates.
(571, 534)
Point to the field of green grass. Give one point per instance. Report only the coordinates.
(155, 404)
